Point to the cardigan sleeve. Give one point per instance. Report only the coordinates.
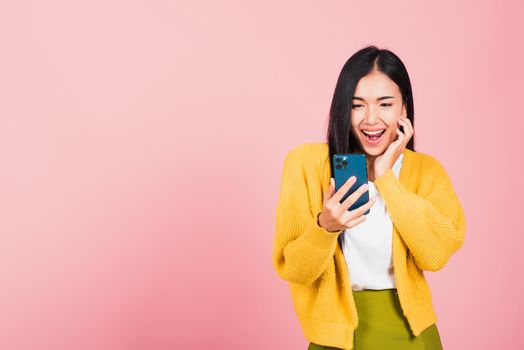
(433, 227)
(302, 249)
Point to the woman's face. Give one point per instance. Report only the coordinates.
(377, 105)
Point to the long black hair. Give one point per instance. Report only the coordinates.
(339, 135)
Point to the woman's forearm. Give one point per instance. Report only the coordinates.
(433, 227)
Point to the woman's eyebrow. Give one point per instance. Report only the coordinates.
(378, 99)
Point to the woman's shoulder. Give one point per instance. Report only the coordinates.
(306, 153)
(428, 164)
(425, 158)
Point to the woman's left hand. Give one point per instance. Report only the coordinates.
(386, 160)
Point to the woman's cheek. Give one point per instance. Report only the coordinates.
(392, 135)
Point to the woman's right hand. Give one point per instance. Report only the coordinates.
(335, 215)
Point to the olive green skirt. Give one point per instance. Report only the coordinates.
(382, 325)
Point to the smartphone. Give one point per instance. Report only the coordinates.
(346, 165)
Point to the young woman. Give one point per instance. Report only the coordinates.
(357, 281)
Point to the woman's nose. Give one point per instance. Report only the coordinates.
(372, 116)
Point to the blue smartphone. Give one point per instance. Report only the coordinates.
(346, 165)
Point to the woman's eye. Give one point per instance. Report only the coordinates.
(354, 106)
(387, 104)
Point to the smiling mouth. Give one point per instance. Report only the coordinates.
(373, 136)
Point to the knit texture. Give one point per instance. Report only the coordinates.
(428, 227)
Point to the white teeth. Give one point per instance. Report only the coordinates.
(372, 132)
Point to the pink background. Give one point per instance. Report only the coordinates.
(142, 146)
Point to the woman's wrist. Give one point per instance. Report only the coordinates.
(318, 223)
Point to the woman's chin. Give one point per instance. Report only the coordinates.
(374, 151)
(377, 149)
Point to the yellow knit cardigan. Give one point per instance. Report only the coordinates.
(428, 227)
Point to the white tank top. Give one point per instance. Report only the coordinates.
(367, 246)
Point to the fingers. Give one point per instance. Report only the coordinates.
(354, 222)
(362, 209)
(356, 216)
(330, 190)
(352, 198)
(407, 124)
(399, 133)
(344, 188)
(408, 130)
(339, 213)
